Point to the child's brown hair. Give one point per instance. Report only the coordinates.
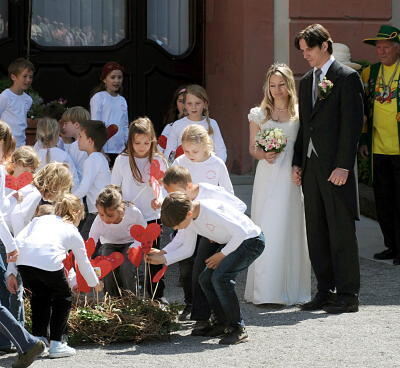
(70, 208)
(97, 131)
(175, 208)
(110, 198)
(76, 114)
(25, 156)
(53, 180)
(17, 66)
(177, 175)
(8, 139)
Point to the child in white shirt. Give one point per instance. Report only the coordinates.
(47, 134)
(179, 179)
(43, 245)
(72, 118)
(204, 166)
(221, 224)
(131, 172)
(112, 228)
(14, 102)
(96, 172)
(196, 110)
(109, 106)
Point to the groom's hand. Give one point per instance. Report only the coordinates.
(296, 175)
(339, 176)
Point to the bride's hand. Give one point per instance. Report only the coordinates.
(271, 157)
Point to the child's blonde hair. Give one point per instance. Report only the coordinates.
(47, 133)
(69, 208)
(111, 198)
(44, 209)
(144, 126)
(53, 180)
(8, 139)
(76, 114)
(200, 92)
(196, 134)
(24, 156)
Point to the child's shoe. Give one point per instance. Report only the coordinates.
(26, 359)
(234, 336)
(59, 349)
(184, 316)
(216, 330)
(46, 343)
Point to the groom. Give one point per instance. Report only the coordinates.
(331, 118)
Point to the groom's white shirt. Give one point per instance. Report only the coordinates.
(324, 70)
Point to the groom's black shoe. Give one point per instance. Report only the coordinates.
(320, 300)
(386, 254)
(342, 304)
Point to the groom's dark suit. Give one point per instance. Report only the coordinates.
(334, 125)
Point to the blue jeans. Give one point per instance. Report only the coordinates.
(11, 330)
(219, 284)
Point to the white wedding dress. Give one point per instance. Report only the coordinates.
(282, 274)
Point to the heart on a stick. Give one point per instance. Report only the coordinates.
(112, 130)
(90, 247)
(135, 255)
(158, 276)
(155, 170)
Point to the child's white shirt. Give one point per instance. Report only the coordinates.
(117, 233)
(58, 155)
(213, 171)
(209, 191)
(21, 213)
(96, 175)
(111, 110)
(218, 222)
(13, 110)
(141, 194)
(44, 244)
(5, 235)
(77, 156)
(175, 136)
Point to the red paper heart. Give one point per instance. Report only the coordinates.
(162, 141)
(135, 255)
(82, 285)
(21, 181)
(90, 247)
(116, 259)
(105, 266)
(158, 276)
(69, 261)
(155, 170)
(148, 234)
(179, 152)
(112, 130)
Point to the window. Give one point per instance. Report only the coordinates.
(3, 19)
(78, 22)
(168, 24)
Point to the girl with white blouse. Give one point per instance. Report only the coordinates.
(112, 228)
(196, 103)
(109, 106)
(131, 172)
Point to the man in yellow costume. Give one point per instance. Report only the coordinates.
(381, 135)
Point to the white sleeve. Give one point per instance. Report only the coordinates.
(96, 107)
(182, 252)
(6, 237)
(172, 142)
(116, 173)
(11, 270)
(3, 103)
(238, 237)
(125, 123)
(176, 242)
(224, 180)
(72, 168)
(88, 176)
(219, 144)
(24, 211)
(95, 230)
(76, 244)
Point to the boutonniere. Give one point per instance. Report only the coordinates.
(325, 88)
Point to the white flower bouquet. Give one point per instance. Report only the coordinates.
(271, 140)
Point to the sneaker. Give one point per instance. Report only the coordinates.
(26, 359)
(46, 343)
(234, 336)
(162, 300)
(184, 316)
(216, 330)
(201, 328)
(60, 350)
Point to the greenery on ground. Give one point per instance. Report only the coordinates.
(117, 320)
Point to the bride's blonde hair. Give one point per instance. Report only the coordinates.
(267, 104)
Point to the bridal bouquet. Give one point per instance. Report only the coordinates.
(271, 140)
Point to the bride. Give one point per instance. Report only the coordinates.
(282, 274)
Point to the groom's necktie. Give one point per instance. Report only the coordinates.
(317, 75)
